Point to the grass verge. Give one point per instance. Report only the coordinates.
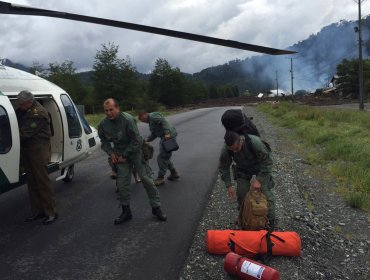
(335, 139)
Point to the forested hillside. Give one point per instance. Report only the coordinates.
(313, 65)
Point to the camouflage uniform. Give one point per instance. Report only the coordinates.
(35, 133)
(159, 126)
(127, 142)
(248, 163)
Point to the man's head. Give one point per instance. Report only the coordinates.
(143, 116)
(25, 100)
(232, 141)
(111, 108)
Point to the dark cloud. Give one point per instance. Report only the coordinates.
(273, 23)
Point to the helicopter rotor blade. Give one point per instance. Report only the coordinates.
(9, 8)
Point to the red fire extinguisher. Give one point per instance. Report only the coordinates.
(247, 269)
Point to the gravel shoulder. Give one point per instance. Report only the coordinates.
(335, 237)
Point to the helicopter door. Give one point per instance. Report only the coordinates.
(9, 143)
(75, 142)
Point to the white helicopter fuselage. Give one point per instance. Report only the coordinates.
(73, 139)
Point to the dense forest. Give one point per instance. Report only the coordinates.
(333, 50)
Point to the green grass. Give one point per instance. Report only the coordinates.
(334, 139)
(94, 119)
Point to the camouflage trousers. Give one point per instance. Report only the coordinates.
(142, 167)
(164, 160)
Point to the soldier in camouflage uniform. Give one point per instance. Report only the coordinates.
(252, 158)
(160, 127)
(120, 129)
(35, 133)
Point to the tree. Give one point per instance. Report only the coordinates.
(38, 69)
(348, 77)
(167, 85)
(64, 75)
(115, 77)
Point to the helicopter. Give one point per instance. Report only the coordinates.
(72, 140)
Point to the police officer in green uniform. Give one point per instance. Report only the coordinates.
(160, 127)
(35, 133)
(120, 129)
(251, 157)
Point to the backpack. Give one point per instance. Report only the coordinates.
(236, 120)
(253, 211)
(147, 150)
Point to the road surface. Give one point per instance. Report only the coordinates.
(84, 243)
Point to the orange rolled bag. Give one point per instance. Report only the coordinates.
(253, 243)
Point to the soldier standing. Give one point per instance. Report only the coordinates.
(160, 127)
(35, 133)
(252, 158)
(120, 128)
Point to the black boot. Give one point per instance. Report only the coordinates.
(174, 175)
(125, 215)
(156, 211)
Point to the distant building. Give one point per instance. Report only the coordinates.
(278, 92)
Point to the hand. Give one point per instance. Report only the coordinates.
(114, 158)
(231, 192)
(256, 185)
(121, 159)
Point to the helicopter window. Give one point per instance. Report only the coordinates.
(74, 126)
(84, 122)
(5, 132)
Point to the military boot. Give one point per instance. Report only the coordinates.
(156, 211)
(174, 175)
(159, 181)
(125, 215)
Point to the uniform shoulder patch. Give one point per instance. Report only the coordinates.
(261, 155)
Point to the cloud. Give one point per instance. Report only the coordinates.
(273, 23)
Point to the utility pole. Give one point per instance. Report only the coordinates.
(291, 76)
(277, 84)
(360, 63)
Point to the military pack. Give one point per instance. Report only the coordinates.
(236, 120)
(253, 211)
(148, 151)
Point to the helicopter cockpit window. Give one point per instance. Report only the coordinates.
(85, 124)
(74, 126)
(5, 132)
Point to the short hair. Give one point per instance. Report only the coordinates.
(115, 102)
(231, 137)
(25, 96)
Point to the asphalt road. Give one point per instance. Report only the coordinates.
(84, 243)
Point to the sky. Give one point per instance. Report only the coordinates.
(270, 23)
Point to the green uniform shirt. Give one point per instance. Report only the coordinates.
(34, 124)
(124, 135)
(248, 163)
(159, 126)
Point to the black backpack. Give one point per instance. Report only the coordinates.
(237, 121)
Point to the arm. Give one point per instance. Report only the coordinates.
(134, 137)
(105, 142)
(264, 161)
(224, 169)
